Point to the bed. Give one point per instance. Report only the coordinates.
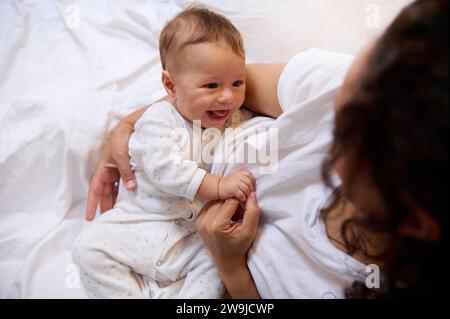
(69, 69)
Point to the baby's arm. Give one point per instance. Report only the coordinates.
(237, 185)
(161, 150)
(209, 188)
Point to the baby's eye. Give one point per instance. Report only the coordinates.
(212, 85)
(237, 83)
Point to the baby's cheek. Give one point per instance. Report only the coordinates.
(240, 99)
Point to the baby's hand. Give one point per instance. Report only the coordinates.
(238, 185)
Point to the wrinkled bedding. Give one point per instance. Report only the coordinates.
(70, 69)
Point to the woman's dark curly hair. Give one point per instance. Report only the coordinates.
(396, 126)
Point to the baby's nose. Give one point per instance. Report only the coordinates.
(226, 96)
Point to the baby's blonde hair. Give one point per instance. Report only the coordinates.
(197, 25)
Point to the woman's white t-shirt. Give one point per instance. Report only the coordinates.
(292, 257)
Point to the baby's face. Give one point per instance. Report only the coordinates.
(210, 84)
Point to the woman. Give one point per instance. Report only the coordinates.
(389, 148)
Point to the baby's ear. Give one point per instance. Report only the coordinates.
(168, 83)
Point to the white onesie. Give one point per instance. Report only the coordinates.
(147, 245)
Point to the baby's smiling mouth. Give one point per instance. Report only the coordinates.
(218, 115)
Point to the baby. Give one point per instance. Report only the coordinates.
(147, 246)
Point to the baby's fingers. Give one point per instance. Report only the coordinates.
(240, 195)
(247, 181)
(249, 175)
(244, 187)
(250, 178)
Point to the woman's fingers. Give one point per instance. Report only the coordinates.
(226, 211)
(119, 152)
(127, 174)
(101, 189)
(208, 213)
(114, 193)
(95, 191)
(251, 214)
(105, 199)
(224, 239)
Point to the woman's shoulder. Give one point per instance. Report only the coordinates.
(310, 74)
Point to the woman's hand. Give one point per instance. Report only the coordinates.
(114, 163)
(229, 242)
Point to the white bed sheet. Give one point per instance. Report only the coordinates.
(69, 69)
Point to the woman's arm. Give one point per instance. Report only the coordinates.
(261, 88)
(229, 243)
(239, 281)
